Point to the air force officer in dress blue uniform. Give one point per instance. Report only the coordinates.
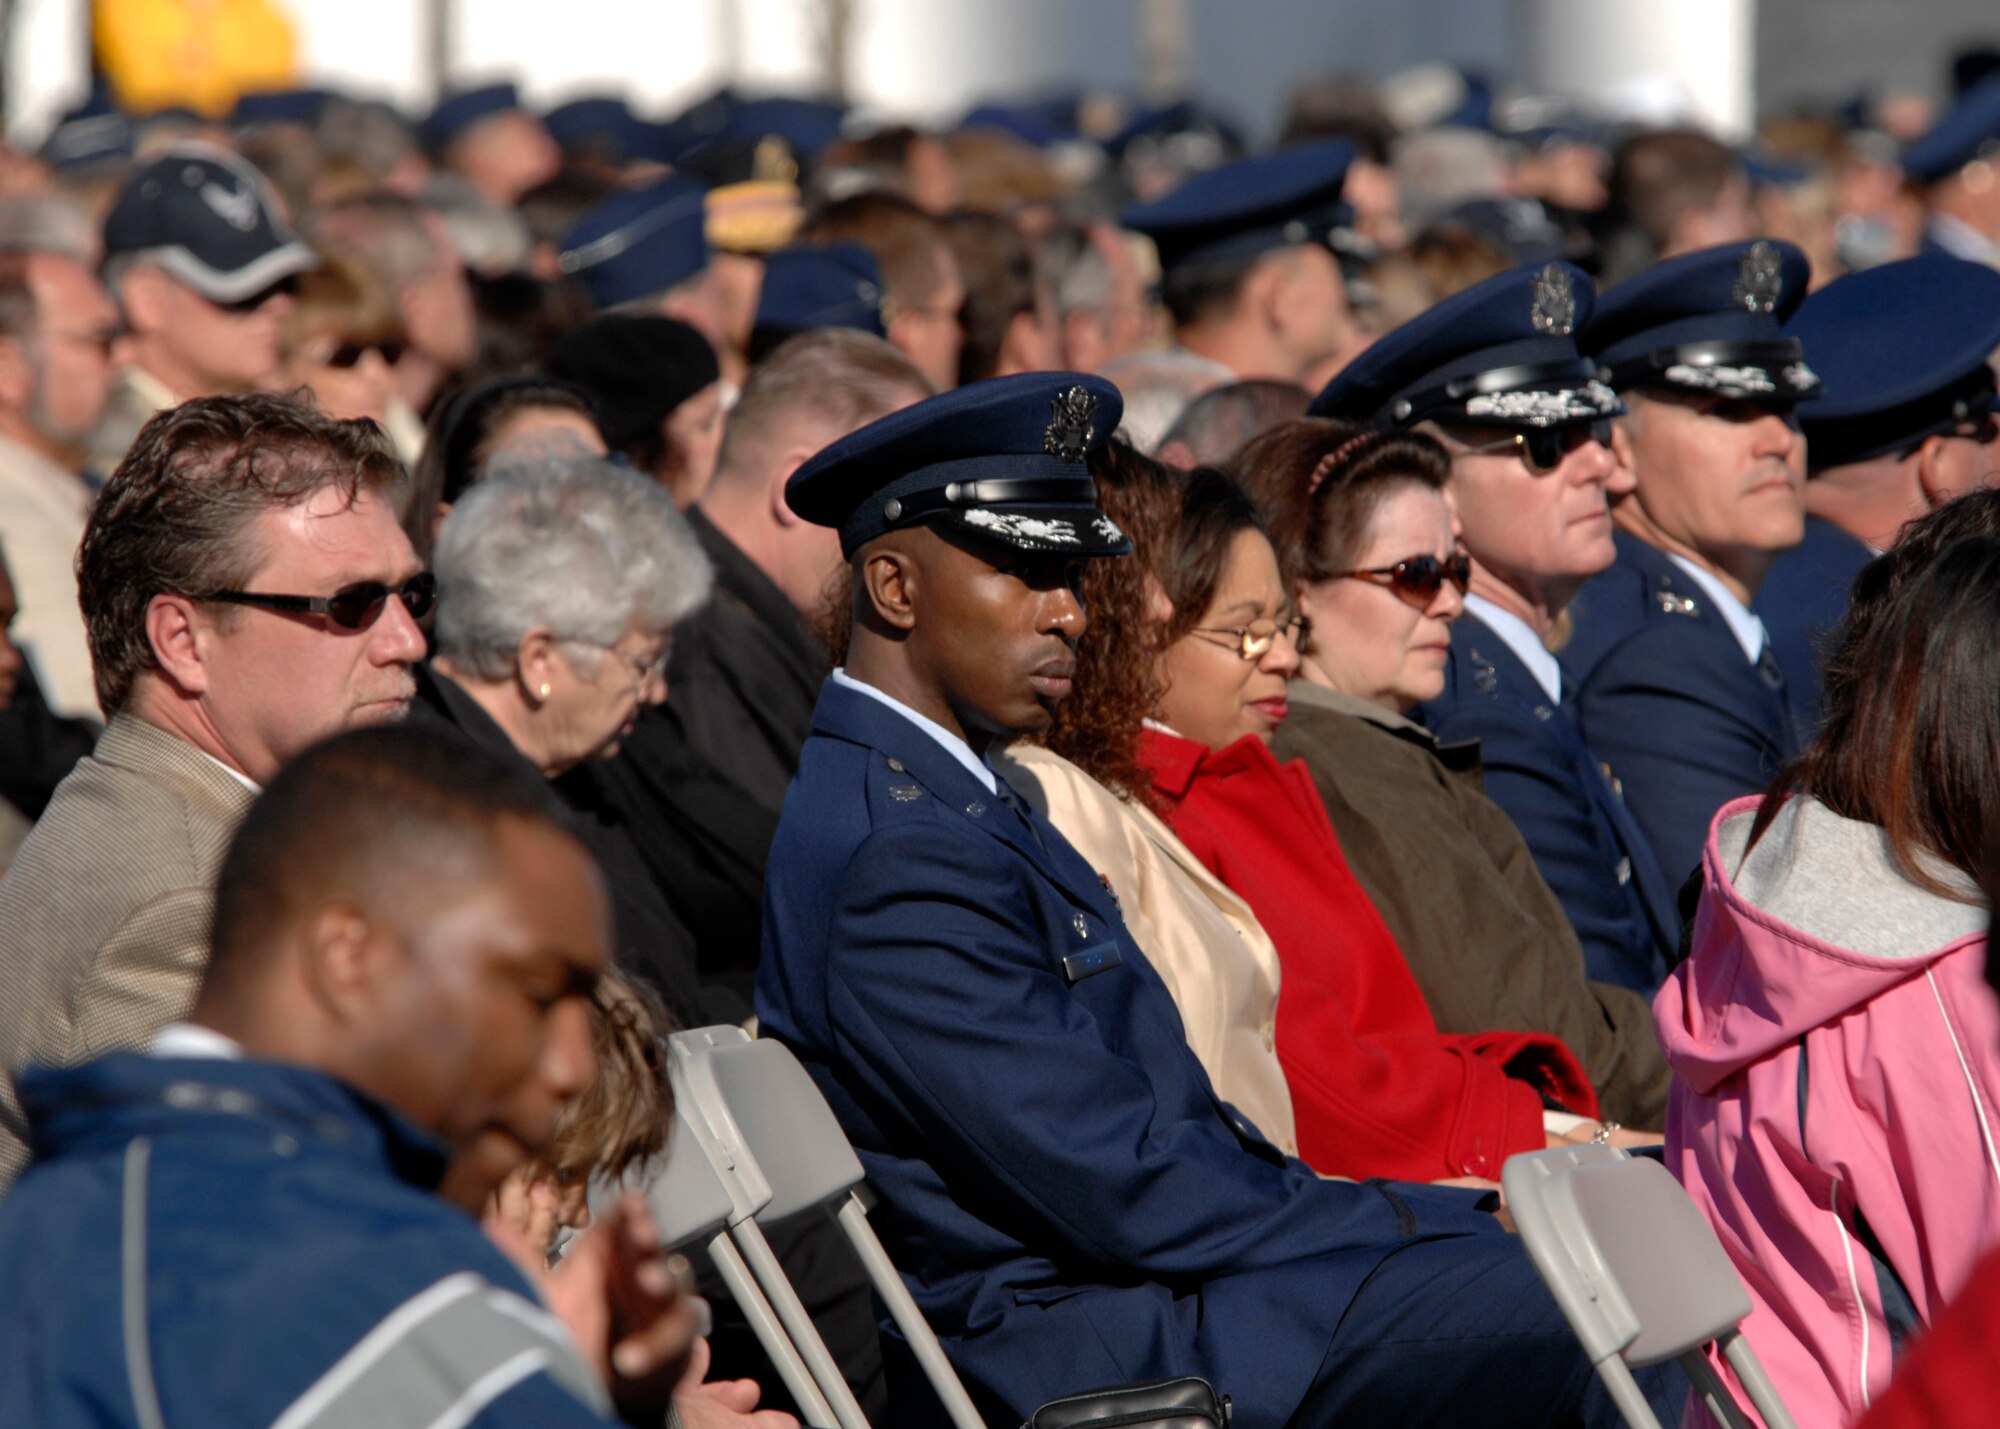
(1678, 688)
(1068, 1199)
(1495, 373)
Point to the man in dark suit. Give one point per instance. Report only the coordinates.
(1494, 373)
(1678, 688)
(1069, 1201)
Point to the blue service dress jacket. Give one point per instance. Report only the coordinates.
(1068, 1200)
(1586, 843)
(1803, 602)
(1667, 698)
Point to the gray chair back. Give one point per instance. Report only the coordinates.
(1639, 1275)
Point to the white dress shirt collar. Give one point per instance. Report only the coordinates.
(185, 1039)
(954, 746)
(1522, 640)
(1743, 623)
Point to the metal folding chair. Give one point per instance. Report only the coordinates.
(1638, 1274)
(775, 1145)
(693, 1203)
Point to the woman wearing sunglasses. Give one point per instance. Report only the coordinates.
(1199, 628)
(343, 339)
(1363, 527)
(560, 583)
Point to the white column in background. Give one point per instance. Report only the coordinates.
(1634, 52)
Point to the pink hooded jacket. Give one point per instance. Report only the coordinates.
(1817, 947)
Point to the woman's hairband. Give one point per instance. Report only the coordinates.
(1334, 458)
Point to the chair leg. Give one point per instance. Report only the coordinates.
(770, 1334)
(909, 1319)
(1714, 1393)
(1756, 1381)
(1626, 1394)
(798, 1324)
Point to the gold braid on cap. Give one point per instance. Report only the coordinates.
(1334, 458)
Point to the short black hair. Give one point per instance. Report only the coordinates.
(1192, 291)
(381, 814)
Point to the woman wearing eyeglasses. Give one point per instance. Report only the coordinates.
(1364, 529)
(342, 339)
(1199, 628)
(560, 583)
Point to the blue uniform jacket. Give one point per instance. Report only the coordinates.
(1667, 699)
(1066, 1197)
(1803, 601)
(220, 1238)
(1585, 842)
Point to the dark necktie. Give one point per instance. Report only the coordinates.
(1021, 810)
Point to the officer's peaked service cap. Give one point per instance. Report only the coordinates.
(1241, 209)
(1002, 460)
(1502, 353)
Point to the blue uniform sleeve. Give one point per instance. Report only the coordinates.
(944, 1000)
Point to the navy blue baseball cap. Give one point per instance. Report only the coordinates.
(1969, 130)
(640, 242)
(1242, 209)
(828, 285)
(207, 218)
(458, 112)
(1001, 460)
(1710, 322)
(1502, 353)
(1902, 350)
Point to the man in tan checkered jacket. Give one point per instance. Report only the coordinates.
(247, 591)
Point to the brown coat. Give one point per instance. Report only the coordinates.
(104, 913)
(1452, 878)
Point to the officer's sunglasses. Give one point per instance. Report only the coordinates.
(1544, 447)
(352, 607)
(1416, 582)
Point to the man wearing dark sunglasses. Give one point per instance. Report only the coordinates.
(1494, 373)
(1678, 686)
(248, 592)
(204, 271)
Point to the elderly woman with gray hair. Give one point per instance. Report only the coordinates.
(560, 583)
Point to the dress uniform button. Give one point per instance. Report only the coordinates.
(895, 766)
(1624, 871)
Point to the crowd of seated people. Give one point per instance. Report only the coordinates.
(1211, 696)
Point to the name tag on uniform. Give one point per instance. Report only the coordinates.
(1090, 962)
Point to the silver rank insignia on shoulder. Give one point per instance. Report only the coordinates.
(1673, 604)
(1082, 927)
(1760, 279)
(1072, 418)
(1554, 310)
(905, 793)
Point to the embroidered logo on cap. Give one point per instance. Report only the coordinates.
(1554, 310)
(235, 207)
(1759, 279)
(1070, 428)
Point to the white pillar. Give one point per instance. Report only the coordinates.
(1637, 53)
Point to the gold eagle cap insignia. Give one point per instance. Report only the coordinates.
(1072, 415)
(1553, 312)
(1760, 279)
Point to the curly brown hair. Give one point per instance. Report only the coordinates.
(1117, 680)
(1318, 483)
(175, 517)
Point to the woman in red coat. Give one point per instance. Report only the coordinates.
(1377, 1089)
